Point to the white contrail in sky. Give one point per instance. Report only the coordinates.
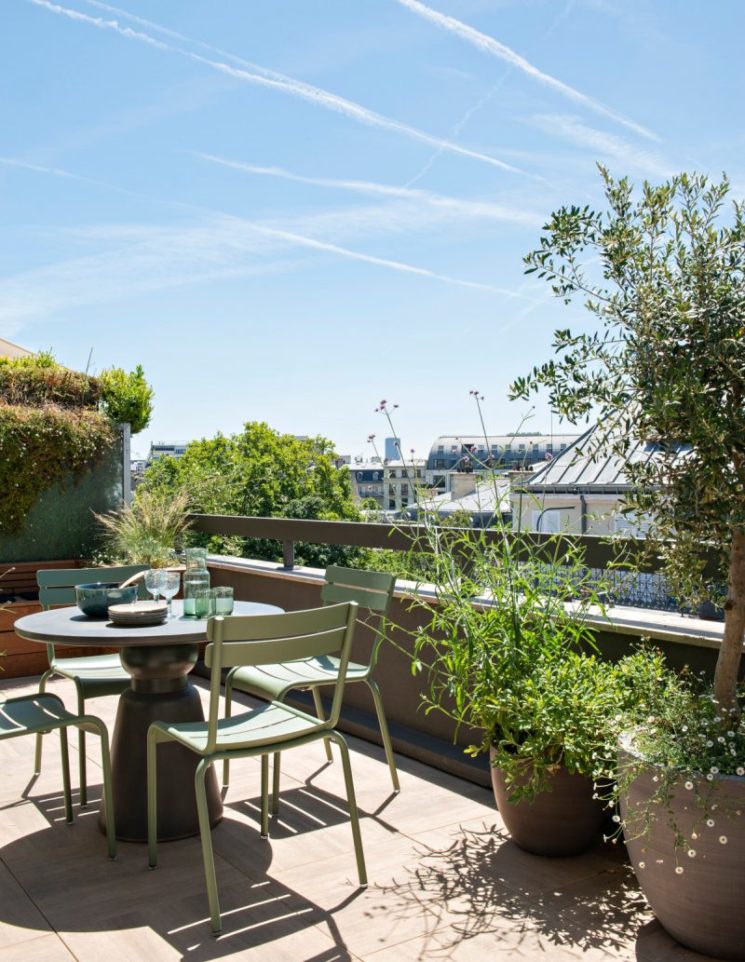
(284, 84)
(495, 48)
(304, 241)
(472, 208)
(603, 144)
(213, 249)
(40, 169)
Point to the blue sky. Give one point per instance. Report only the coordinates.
(287, 210)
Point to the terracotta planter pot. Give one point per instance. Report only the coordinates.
(702, 907)
(563, 821)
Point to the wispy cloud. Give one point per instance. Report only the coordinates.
(493, 47)
(40, 169)
(152, 260)
(603, 145)
(281, 83)
(453, 205)
(134, 259)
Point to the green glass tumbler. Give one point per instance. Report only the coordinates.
(204, 603)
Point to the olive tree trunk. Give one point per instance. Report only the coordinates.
(730, 654)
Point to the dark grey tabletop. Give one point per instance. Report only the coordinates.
(69, 626)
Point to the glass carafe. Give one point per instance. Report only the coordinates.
(196, 577)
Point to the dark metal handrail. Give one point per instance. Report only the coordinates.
(599, 552)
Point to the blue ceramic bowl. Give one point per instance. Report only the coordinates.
(94, 599)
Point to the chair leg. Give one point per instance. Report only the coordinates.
(228, 708)
(352, 803)
(205, 835)
(81, 751)
(264, 796)
(152, 800)
(385, 734)
(275, 783)
(318, 703)
(37, 754)
(108, 794)
(66, 774)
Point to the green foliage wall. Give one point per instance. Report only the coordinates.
(40, 446)
(61, 524)
(56, 426)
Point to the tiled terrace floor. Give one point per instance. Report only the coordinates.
(445, 881)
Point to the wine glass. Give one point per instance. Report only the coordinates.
(154, 582)
(169, 586)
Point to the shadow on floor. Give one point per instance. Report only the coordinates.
(483, 883)
(64, 871)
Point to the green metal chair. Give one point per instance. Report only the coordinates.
(93, 675)
(258, 639)
(42, 713)
(371, 590)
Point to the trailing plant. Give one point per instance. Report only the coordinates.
(41, 446)
(126, 398)
(150, 530)
(38, 379)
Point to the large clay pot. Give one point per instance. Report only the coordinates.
(702, 906)
(565, 820)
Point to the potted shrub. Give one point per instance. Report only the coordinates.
(664, 276)
(507, 652)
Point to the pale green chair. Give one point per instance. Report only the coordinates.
(93, 675)
(258, 639)
(372, 591)
(42, 713)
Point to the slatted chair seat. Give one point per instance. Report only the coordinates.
(258, 640)
(93, 675)
(372, 591)
(275, 681)
(268, 724)
(42, 713)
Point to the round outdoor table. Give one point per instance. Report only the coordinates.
(159, 659)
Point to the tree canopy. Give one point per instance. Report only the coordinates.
(664, 276)
(260, 472)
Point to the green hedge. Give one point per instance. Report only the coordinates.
(41, 446)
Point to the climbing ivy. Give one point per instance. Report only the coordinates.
(40, 446)
(56, 423)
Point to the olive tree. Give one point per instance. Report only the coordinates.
(662, 272)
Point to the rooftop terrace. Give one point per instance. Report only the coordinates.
(445, 881)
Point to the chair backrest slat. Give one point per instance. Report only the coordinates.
(360, 578)
(262, 639)
(266, 627)
(265, 652)
(372, 590)
(57, 585)
(334, 594)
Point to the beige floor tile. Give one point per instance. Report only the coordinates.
(45, 948)
(21, 919)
